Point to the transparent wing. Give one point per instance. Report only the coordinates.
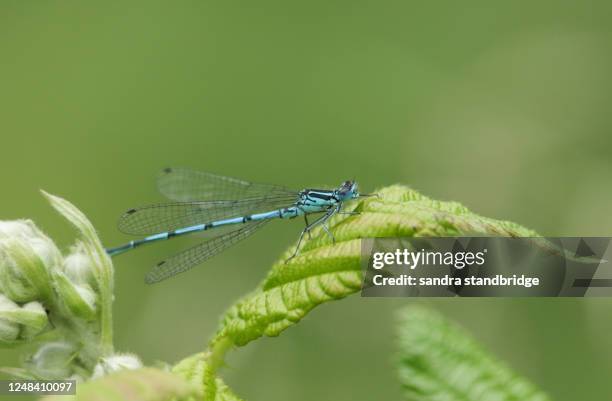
(192, 257)
(184, 185)
(158, 218)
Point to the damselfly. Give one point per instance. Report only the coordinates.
(226, 210)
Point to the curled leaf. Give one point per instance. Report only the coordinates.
(196, 370)
(326, 271)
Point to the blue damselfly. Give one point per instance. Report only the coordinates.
(226, 210)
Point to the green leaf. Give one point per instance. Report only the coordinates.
(145, 384)
(324, 271)
(197, 370)
(438, 360)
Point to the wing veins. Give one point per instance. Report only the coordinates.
(191, 257)
(156, 218)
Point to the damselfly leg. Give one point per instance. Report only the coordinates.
(331, 236)
(351, 213)
(306, 221)
(321, 220)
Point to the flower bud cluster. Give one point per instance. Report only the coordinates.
(27, 257)
(63, 303)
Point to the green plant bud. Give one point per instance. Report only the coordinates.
(17, 229)
(53, 360)
(34, 321)
(115, 363)
(26, 257)
(26, 230)
(6, 304)
(32, 316)
(78, 265)
(80, 300)
(9, 330)
(12, 281)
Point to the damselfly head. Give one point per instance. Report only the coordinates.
(348, 190)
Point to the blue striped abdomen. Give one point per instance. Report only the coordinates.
(285, 213)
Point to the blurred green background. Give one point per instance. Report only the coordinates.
(503, 106)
